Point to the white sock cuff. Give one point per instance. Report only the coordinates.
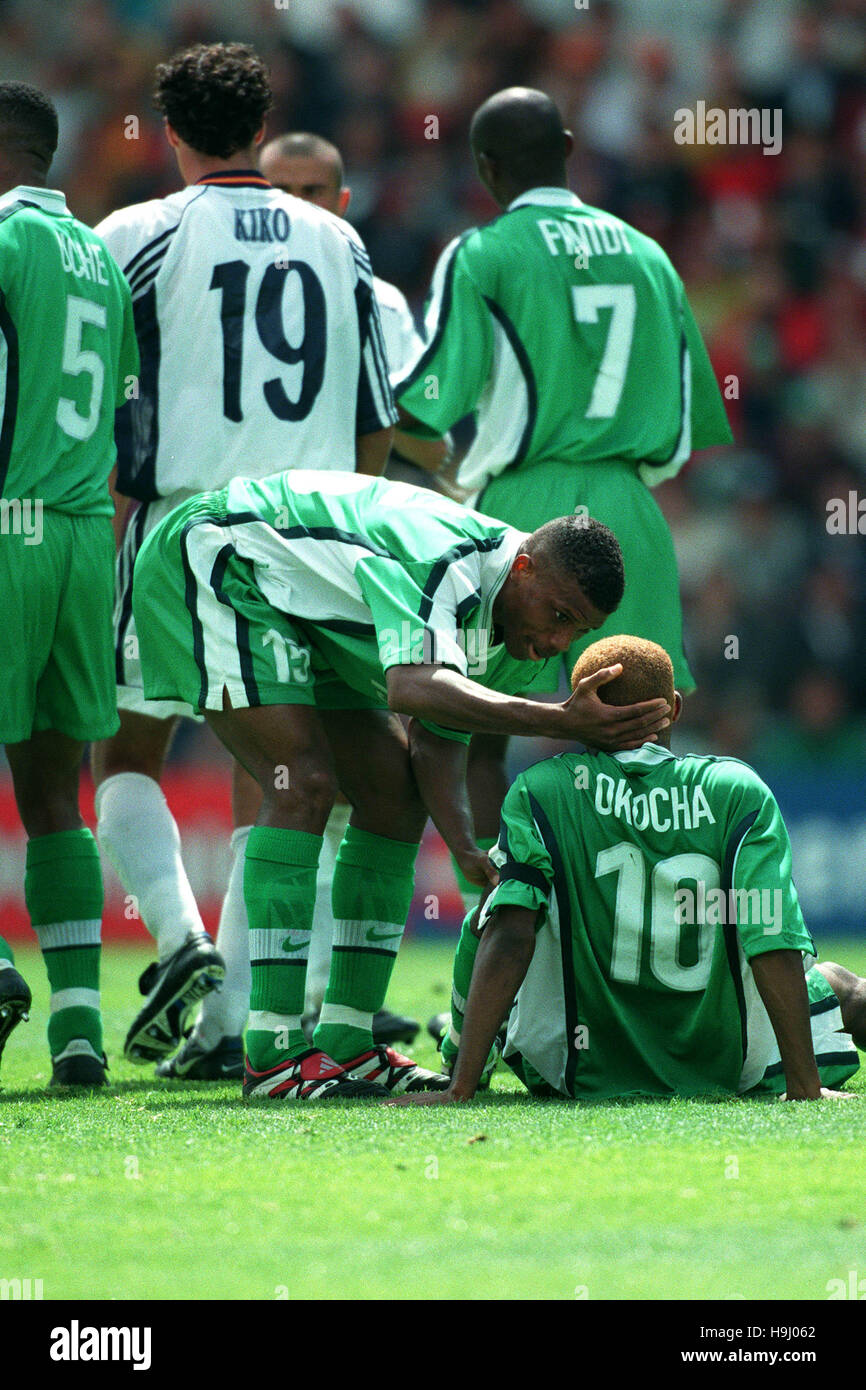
(346, 1018)
(76, 998)
(264, 1021)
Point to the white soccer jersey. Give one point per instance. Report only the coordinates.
(403, 342)
(260, 337)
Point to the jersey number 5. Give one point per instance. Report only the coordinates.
(622, 302)
(230, 278)
(77, 360)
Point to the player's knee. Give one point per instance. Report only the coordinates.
(305, 786)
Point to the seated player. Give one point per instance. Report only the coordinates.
(646, 930)
(301, 614)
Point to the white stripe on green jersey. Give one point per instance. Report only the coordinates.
(260, 337)
(570, 334)
(658, 878)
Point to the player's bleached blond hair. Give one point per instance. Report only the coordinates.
(647, 670)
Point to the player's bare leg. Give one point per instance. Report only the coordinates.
(63, 890)
(137, 831)
(372, 892)
(850, 990)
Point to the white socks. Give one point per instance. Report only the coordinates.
(224, 1012)
(319, 965)
(138, 833)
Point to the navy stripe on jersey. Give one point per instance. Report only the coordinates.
(822, 1059)
(823, 1006)
(147, 271)
(320, 533)
(560, 888)
(442, 565)
(375, 402)
(129, 268)
(523, 873)
(242, 627)
(731, 935)
(444, 310)
(136, 423)
(345, 626)
(10, 395)
(528, 376)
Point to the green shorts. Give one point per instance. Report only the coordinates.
(204, 628)
(613, 493)
(56, 645)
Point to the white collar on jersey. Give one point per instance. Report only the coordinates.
(546, 197)
(49, 199)
(505, 557)
(646, 756)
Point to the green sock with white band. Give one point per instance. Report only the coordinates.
(372, 893)
(64, 895)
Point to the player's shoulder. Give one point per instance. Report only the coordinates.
(726, 777)
(127, 230)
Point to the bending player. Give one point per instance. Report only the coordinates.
(646, 930)
(295, 612)
(67, 353)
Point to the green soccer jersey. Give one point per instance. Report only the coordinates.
(67, 347)
(570, 334)
(372, 573)
(657, 878)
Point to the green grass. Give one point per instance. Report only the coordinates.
(155, 1190)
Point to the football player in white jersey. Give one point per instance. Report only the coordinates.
(261, 349)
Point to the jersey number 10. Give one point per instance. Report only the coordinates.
(230, 278)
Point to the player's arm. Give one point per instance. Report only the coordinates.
(782, 987)
(430, 454)
(372, 450)
(504, 956)
(439, 766)
(444, 696)
(760, 851)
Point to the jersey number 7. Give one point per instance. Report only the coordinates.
(230, 278)
(622, 302)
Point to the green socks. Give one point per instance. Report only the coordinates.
(64, 896)
(372, 894)
(280, 894)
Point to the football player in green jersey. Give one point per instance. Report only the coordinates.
(301, 613)
(569, 334)
(67, 355)
(645, 936)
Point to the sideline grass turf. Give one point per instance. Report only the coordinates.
(179, 1191)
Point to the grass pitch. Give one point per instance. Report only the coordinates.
(157, 1190)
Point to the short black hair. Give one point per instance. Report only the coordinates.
(589, 551)
(521, 129)
(300, 144)
(215, 96)
(28, 120)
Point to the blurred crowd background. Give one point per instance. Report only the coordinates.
(772, 249)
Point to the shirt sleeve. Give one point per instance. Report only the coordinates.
(522, 858)
(447, 380)
(765, 904)
(375, 409)
(708, 419)
(413, 627)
